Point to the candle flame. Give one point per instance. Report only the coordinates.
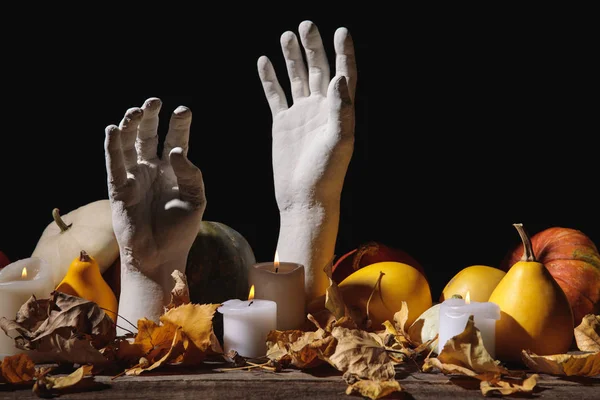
(468, 297)
(251, 294)
(24, 273)
(276, 262)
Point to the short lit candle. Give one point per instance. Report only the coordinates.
(18, 282)
(246, 325)
(283, 283)
(454, 314)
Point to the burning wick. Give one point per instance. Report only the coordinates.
(251, 296)
(24, 273)
(468, 297)
(276, 263)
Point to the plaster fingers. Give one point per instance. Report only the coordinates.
(147, 137)
(273, 91)
(341, 107)
(115, 162)
(129, 128)
(318, 66)
(178, 134)
(295, 66)
(189, 179)
(345, 58)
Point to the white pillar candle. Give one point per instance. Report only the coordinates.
(18, 282)
(283, 283)
(246, 325)
(454, 314)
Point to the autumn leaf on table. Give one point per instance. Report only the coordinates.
(17, 369)
(362, 356)
(587, 333)
(300, 349)
(374, 389)
(185, 336)
(465, 354)
(63, 328)
(396, 338)
(50, 386)
(585, 364)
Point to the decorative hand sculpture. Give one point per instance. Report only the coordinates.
(157, 206)
(313, 142)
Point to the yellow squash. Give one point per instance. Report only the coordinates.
(479, 280)
(83, 279)
(534, 311)
(400, 282)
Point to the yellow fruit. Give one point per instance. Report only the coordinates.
(400, 282)
(478, 280)
(83, 279)
(534, 311)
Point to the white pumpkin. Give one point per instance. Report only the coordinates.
(88, 228)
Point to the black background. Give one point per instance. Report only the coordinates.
(465, 122)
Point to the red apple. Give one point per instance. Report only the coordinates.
(370, 253)
(4, 261)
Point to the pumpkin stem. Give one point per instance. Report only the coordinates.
(83, 256)
(527, 247)
(370, 248)
(59, 221)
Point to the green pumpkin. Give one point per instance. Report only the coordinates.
(217, 265)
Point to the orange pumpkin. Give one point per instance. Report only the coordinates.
(574, 262)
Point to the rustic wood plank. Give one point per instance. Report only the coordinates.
(320, 383)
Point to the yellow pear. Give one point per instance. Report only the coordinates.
(83, 279)
(534, 311)
(479, 280)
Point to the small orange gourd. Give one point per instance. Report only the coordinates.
(83, 279)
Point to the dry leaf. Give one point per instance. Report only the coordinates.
(506, 387)
(62, 328)
(300, 349)
(152, 341)
(361, 353)
(178, 346)
(586, 364)
(195, 320)
(465, 354)
(587, 333)
(180, 294)
(49, 386)
(333, 298)
(17, 369)
(374, 389)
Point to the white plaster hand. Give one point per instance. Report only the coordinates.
(157, 206)
(313, 142)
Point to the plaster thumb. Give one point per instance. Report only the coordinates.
(189, 177)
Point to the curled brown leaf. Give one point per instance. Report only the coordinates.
(587, 333)
(585, 364)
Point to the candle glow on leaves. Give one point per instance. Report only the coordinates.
(24, 273)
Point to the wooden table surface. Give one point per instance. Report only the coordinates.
(319, 383)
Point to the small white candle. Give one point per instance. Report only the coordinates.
(454, 314)
(246, 325)
(283, 283)
(18, 282)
